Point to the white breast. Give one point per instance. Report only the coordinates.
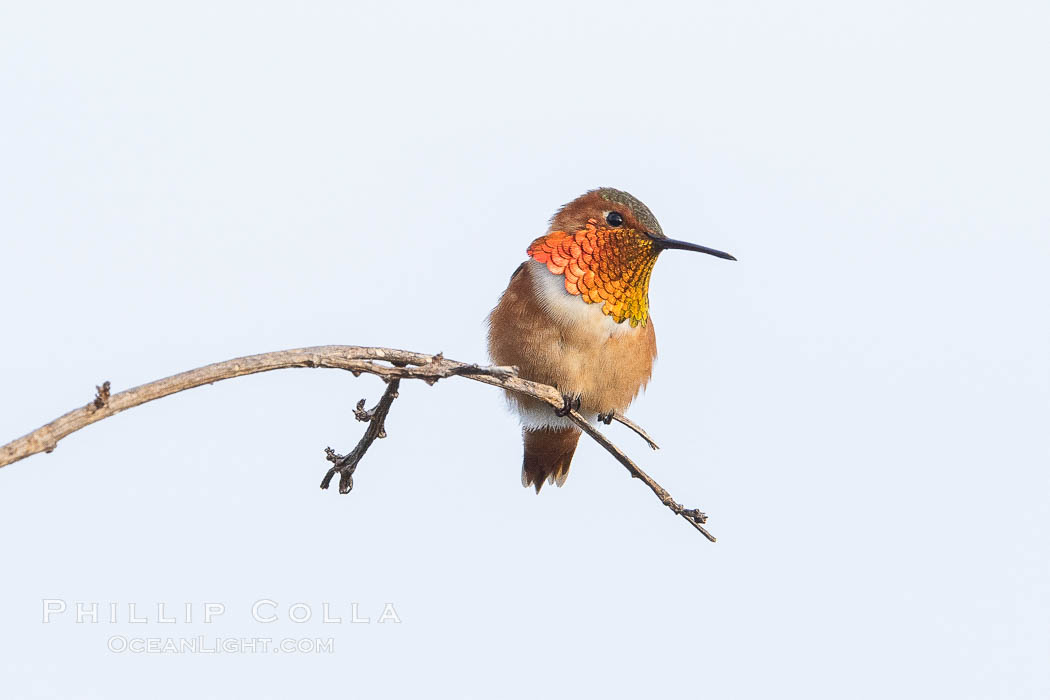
(571, 309)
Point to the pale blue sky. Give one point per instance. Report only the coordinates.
(861, 403)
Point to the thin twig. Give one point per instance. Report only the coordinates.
(621, 418)
(693, 516)
(376, 419)
(388, 363)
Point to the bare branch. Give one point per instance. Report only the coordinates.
(693, 516)
(376, 419)
(621, 418)
(390, 364)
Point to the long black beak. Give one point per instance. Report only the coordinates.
(671, 244)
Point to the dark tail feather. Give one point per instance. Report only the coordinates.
(548, 453)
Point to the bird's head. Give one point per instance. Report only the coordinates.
(605, 244)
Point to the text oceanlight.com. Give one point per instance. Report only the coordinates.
(201, 644)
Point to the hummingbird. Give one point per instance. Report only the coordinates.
(575, 316)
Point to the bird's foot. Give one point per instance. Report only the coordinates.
(569, 404)
(607, 418)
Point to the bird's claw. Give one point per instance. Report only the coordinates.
(607, 418)
(569, 404)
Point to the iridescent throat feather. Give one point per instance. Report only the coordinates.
(607, 266)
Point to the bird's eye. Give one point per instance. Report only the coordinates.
(614, 219)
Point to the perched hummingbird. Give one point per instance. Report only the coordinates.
(576, 316)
